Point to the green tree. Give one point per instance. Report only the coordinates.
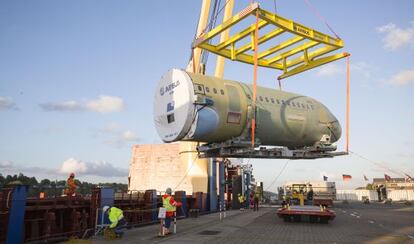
(45, 182)
(2, 180)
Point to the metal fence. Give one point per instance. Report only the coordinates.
(357, 195)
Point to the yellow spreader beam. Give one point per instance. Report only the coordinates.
(304, 49)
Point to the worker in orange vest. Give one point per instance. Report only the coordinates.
(170, 205)
(70, 185)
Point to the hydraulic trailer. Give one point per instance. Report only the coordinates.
(313, 214)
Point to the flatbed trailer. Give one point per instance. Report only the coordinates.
(312, 214)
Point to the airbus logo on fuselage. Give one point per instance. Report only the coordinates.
(170, 87)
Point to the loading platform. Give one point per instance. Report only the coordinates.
(243, 150)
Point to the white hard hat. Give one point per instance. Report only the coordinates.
(105, 208)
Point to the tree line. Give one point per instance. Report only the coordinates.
(55, 187)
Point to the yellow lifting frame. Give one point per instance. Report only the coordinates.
(311, 45)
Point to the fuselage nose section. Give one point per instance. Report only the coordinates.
(330, 123)
(334, 126)
(336, 130)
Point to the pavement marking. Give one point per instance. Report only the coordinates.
(358, 217)
(371, 222)
(412, 237)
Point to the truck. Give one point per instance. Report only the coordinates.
(324, 192)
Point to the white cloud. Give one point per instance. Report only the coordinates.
(102, 168)
(64, 106)
(405, 155)
(7, 103)
(6, 164)
(98, 168)
(79, 167)
(396, 37)
(402, 78)
(121, 139)
(117, 137)
(129, 136)
(73, 165)
(362, 68)
(329, 70)
(103, 104)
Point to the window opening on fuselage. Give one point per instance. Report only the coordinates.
(170, 118)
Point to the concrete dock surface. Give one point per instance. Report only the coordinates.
(355, 223)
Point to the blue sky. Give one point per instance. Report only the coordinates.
(77, 80)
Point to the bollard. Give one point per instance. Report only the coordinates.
(175, 222)
(221, 217)
(162, 222)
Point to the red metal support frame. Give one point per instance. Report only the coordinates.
(255, 59)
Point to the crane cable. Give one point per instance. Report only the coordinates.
(278, 80)
(379, 164)
(277, 177)
(213, 20)
(320, 17)
(188, 171)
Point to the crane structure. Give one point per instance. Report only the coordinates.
(311, 44)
